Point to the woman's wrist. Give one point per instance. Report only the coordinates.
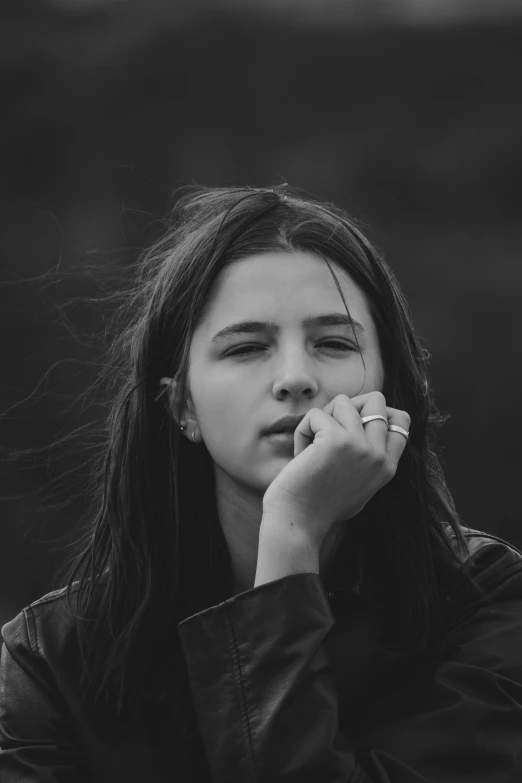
(283, 550)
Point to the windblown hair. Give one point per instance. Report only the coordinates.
(153, 552)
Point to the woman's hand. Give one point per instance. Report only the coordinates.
(338, 465)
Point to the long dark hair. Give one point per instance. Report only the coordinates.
(152, 552)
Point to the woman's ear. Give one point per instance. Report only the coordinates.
(188, 422)
(166, 381)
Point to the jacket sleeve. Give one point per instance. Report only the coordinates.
(268, 709)
(36, 745)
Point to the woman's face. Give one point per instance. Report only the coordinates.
(288, 366)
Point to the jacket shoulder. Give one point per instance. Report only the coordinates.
(495, 566)
(491, 558)
(44, 629)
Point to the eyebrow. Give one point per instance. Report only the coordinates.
(255, 327)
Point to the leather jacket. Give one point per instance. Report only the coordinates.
(288, 685)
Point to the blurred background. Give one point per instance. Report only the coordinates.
(405, 112)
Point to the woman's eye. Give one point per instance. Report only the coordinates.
(341, 346)
(337, 346)
(245, 350)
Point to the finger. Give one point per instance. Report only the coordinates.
(362, 400)
(376, 431)
(400, 417)
(395, 441)
(314, 421)
(341, 409)
(339, 412)
(349, 416)
(371, 404)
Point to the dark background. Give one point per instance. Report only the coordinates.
(411, 120)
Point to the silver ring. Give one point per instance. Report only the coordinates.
(366, 419)
(395, 428)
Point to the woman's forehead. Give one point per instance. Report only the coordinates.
(279, 278)
(282, 289)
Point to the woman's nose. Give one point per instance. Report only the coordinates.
(294, 376)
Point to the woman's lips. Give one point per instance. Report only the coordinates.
(283, 440)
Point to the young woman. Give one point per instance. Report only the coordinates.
(275, 584)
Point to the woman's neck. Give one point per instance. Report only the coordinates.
(240, 514)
